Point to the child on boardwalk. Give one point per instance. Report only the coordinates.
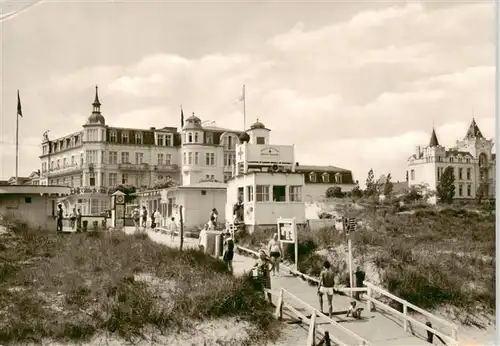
(262, 273)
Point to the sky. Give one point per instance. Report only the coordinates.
(356, 85)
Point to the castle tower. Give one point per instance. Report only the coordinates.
(193, 151)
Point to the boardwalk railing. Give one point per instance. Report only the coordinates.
(449, 338)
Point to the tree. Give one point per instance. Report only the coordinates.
(356, 191)
(388, 186)
(371, 185)
(480, 193)
(334, 191)
(446, 186)
(165, 184)
(406, 176)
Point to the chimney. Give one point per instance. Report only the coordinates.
(152, 128)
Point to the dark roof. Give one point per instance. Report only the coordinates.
(452, 152)
(434, 140)
(473, 131)
(302, 168)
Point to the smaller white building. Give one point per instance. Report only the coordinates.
(265, 181)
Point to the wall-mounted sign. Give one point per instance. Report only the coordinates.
(287, 230)
(11, 203)
(269, 151)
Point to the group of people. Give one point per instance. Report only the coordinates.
(75, 219)
(140, 217)
(269, 264)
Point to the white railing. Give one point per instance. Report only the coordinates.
(450, 339)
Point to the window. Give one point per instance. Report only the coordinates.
(190, 137)
(468, 173)
(196, 137)
(92, 179)
(168, 159)
(101, 183)
(168, 140)
(65, 163)
(279, 193)
(124, 137)
(451, 159)
(138, 138)
(103, 155)
(326, 178)
(460, 189)
(312, 177)
(160, 139)
(125, 157)
(438, 173)
(262, 193)
(72, 182)
(460, 173)
(295, 193)
(459, 159)
(226, 159)
(440, 159)
(58, 163)
(138, 158)
(190, 158)
(412, 174)
(249, 193)
(467, 160)
(91, 156)
(73, 161)
(160, 159)
(124, 178)
(112, 137)
(338, 178)
(210, 159)
(229, 142)
(196, 158)
(210, 138)
(469, 190)
(261, 140)
(81, 159)
(92, 135)
(113, 157)
(229, 159)
(184, 161)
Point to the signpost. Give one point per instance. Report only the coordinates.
(349, 224)
(287, 233)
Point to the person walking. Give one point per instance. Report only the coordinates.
(326, 284)
(157, 218)
(153, 224)
(137, 219)
(78, 220)
(144, 216)
(275, 252)
(72, 219)
(203, 238)
(59, 219)
(173, 229)
(228, 254)
(261, 273)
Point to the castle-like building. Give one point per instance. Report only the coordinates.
(100, 157)
(472, 160)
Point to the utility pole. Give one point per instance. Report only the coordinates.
(182, 228)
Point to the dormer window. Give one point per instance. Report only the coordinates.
(210, 138)
(338, 178)
(312, 177)
(326, 177)
(125, 137)
(112, 137)
(138, 138)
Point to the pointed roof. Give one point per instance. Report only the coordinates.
(434, 140)
(473, 131)
(96, 99)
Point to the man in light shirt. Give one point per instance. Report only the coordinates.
(173, 229)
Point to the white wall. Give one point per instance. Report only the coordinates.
(38, 213)
(198, 206)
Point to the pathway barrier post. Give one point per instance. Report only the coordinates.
(181, 220)
(311, 338)
(279, 306)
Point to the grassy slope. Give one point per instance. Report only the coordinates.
(430, 257)
(74, 287)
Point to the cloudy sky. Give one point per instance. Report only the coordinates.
(352, 84)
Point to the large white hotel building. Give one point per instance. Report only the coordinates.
(100, 157)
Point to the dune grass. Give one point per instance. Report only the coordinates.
(72, 287)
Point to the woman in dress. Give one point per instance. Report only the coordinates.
(263, 270)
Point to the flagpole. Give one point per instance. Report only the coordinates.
(244, 110)
(17, 142)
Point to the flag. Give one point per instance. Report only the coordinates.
(242, 97)
(182, 117)
(19, 109)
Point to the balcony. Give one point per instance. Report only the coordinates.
(64, 170)
(166, 168)
(133, 167)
